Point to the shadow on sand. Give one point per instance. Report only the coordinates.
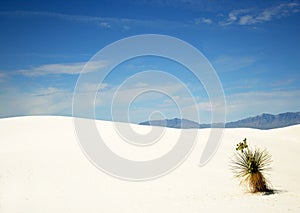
(274, 191)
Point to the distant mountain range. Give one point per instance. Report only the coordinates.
(263, 121)
(173, 123)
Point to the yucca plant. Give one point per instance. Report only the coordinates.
(250, 166)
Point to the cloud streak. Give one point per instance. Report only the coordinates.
(241, 105)
(57, 101)
(239, 17)
(203, 20)
(68, 69)
(229, 63)
(42, 101)
(253, 16)
(3, 76)
(99, 21)
(102, 22)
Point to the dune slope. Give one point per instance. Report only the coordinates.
(42, 169)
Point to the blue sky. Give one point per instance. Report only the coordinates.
(254, 47)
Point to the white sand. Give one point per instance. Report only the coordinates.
(42, 169)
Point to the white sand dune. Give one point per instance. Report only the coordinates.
(42, 169)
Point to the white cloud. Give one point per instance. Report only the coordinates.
(283, 83)
(253, 16)
(203, 20)
(241, 105)
(46, 101)
(56, 101)
(247, 19)
(229, 63)
(103, 22)
(92, 87)
(122, 95)
(3, 76)
(247, 16)
(70, 69)
(76, 18)
(104, 25)
(142, 96)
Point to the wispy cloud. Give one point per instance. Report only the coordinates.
(46, 101)
(254, 16)
(58, 101)
(53, 100)
(3, 76)
(102, 22)
(69, 69)
(245, 104)
(241, 105)
(190, 5)
(283, 83)
(229, 63)
(203, 20)
(248, 16)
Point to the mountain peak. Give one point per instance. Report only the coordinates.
(262, 121)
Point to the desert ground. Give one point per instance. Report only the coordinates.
(43, 169)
